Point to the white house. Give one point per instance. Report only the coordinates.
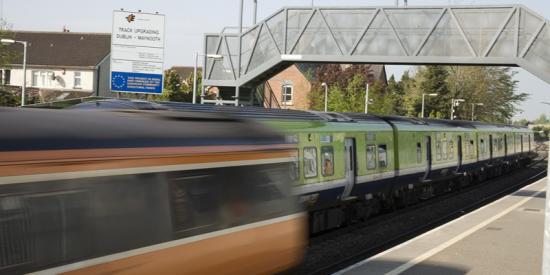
(60, 65)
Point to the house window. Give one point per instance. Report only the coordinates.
(77, 80)
(382, 156)
(327, 153)
(371, 157)
(35, 75)
(42, 79)
(287, 94)
(310, 162)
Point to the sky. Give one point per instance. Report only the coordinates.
(188, 20)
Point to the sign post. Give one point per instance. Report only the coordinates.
(137, 52)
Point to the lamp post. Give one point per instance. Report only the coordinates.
(455, 103)
(24, 86)
(213, 56)
(367, 99)
(423, 99)
(474, 108)
(326, 95)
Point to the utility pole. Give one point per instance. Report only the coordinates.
(367, 99)
(455, 103)
(237, 89)
(255, 15)
(326, 95)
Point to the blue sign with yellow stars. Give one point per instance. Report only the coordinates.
(136, 82)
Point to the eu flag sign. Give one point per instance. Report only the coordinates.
(137, 52)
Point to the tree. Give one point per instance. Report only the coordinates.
(190, 80)
(174, 88)
(492, 86)
(7, 98)
(542, 119)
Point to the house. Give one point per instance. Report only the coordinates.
(296, 82)
(60, 65)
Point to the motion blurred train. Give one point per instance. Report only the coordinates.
(351, 166)
(144, 192)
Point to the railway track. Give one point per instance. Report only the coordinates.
(332, 251)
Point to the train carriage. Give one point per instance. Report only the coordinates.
(136, 192)
(349, 166)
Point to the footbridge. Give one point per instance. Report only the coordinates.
(509, 35)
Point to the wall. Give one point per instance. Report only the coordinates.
(301, 85)
(64, 79)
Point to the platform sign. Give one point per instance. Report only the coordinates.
(137, 52)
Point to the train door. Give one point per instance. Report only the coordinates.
(459, 149)
(428, 145)
(491, 147)
(350, 167)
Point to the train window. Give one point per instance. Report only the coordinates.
(438, 150)
(295, 166)
(291, 139)
(418, 152)
(371, 156)
(327, 153)
(471, 153)
(370, 136)
(451, 149)
(482, 147)
(14, 225)
(310, 162)
(382, 156)
(444, 150)
(325, 138)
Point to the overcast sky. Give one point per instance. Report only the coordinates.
(188, 20)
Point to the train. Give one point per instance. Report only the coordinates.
(348, 167)
(145, 192)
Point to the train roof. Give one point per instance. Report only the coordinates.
(43, 129)
(402, 123)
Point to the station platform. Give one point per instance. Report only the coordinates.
(504, 237)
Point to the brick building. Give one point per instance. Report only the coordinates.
(296, 82)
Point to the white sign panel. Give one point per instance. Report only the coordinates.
(137, 52)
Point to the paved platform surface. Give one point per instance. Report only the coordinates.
(504, 237)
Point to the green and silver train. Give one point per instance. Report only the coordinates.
(350, 166)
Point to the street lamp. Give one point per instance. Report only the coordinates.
(455, 103)
(423, 96)
(326, 95)
(474, 108)
(367, 101)
(545, 102)
(24, 43)
(213, 56)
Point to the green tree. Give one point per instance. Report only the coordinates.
(174, 88)
(350, 99)
(189, 87)
(542, 119)
(494, 87)
(7, 55)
